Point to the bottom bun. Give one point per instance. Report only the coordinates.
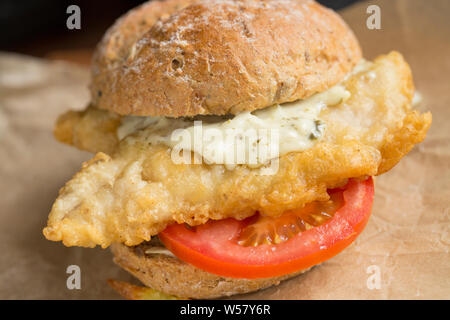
(168, 274)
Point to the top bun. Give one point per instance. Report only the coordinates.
(188, 57)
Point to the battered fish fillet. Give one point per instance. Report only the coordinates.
(136, 191)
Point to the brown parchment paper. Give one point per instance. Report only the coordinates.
(407, 239)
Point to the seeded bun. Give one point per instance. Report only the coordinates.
(173, 276)
(184, 58)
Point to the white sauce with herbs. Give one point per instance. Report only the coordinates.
(297, 125)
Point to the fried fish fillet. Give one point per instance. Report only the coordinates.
(136, 190)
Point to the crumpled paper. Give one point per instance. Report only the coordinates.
(402, 254)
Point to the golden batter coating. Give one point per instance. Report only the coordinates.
(91, 130)
(137, 191)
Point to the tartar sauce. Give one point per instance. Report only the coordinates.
(277, 130)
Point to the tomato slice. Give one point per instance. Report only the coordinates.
(216, 247)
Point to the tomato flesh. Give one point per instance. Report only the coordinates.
(214, 247)
(275, 230)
